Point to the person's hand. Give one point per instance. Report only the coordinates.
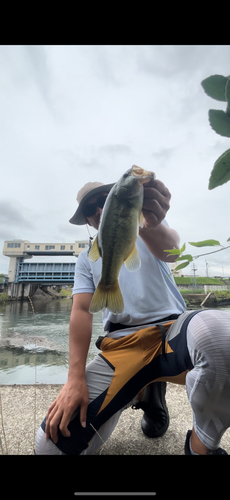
(61, 410)
(156, 203)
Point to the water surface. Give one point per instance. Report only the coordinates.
(34, 347)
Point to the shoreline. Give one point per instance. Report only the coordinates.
(191, 299)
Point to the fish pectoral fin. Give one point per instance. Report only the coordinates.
(94, 253)
(133, 262)
(109, 297)
(141, 220)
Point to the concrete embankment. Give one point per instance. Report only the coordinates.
(210, 300)
(24, 407)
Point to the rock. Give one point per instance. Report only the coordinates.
(30, 343)
(41, 295)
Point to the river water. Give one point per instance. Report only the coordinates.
(34, 345)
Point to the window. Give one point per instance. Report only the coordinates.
(37, 247)
(28, 247)
(71, 247)
(62, 247)
(49, 247)
(13, 245)
(82, 245)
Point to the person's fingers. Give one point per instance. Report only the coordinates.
(151, 195)
(51, 408)
(153, 217)
(53, 425)
(159, 186)
(48, 418)
(83, 414)
(65, 422)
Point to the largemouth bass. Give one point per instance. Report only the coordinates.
(116, 238)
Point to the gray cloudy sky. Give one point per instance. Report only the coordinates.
(73, 114)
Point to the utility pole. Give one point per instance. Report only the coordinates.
(223, 268)
(206, 268)
(194, 272)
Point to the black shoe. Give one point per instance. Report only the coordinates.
(187, 451)
(155, 420)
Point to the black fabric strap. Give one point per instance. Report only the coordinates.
(118, 326)
(163, 335)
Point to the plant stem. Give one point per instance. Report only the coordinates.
(208, 253)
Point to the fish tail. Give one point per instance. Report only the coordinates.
(107, 296)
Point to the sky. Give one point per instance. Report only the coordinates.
(70, 114)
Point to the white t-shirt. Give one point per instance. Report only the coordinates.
(149, 294)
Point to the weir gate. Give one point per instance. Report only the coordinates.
(24, 276)
(45, 273)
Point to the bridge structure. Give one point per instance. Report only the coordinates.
(23, 275)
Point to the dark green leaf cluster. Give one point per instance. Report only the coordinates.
(218, 87)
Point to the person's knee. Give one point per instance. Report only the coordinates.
(45, 446)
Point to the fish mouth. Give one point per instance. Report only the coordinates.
(144, 176)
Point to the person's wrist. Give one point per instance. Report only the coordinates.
(76, 374)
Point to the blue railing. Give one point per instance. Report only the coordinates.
(45, 272)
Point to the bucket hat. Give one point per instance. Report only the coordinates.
(87, 191)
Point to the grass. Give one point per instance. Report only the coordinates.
(181, 280)
(65, 292)
(3, 297)
(222, 294)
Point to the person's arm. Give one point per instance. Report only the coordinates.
(75, 392)
(80, 331)
(156, 235)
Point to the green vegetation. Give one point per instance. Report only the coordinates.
(4, 297)
(217, 87)
(180, 280)
(222, 294)
(65, 292)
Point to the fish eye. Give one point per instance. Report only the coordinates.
(126, 175)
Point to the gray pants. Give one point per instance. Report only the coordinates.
(207, 383)
(98, 376)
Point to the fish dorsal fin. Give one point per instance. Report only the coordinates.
(94, 253)
(133, 262)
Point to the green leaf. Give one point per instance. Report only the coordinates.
(228, 239)
(220, 122)
(227, 92)
(185, 257)
(221, 171)
(176, 251)
(205, 243)
(181, 266)
(183, 248)
(214, 86)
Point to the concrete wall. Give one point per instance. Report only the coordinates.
(20, 290)
(212, 288)
(19, 248)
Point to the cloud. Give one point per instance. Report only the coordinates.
(163, 156)
(168, 61)
(74, 114)
(116, 149)
(10, 216)
(37, 69)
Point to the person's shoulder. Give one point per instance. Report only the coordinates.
(83, 257)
